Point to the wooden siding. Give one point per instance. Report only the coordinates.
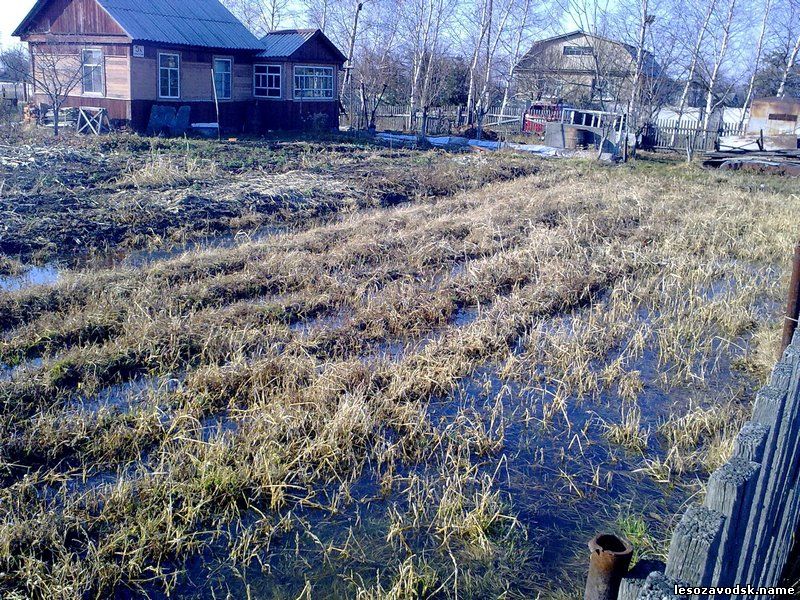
(116, 69)
(117, 77)
(196, 81)
(316, 50)
(143, 79)
(75, 17)
(288, 80)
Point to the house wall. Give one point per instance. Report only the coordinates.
(116, 94)
(243, 111)
(131, 82)
(547, 72)
(76, 17)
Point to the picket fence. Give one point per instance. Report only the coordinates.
(442, 120)
(744, 531)
(674, 135)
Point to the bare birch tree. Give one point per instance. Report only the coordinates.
(756, 60)
(726, 30)
(262, 16)
(694, 61)
(789, 66)
(515, 51)
(423, 25)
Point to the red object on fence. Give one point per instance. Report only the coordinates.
(539, 114)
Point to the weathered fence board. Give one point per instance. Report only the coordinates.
(681, 135)
(695, 545)
(745, 529)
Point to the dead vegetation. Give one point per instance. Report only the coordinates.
(75, 201)
(285, 374)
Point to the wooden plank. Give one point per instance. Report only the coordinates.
(770, 410)
(730, 493)
(695, 546)
(659, 586)
(749, 443)
(633, 583)
(782, 519)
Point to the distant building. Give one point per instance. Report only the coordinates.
(135, 54)
(582, 69)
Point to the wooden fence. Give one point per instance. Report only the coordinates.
(675, 135)
(442, 120)
(744, 530)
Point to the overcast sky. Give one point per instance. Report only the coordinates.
(11, 15)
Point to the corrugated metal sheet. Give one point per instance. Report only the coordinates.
(282, 44)
(203, 23)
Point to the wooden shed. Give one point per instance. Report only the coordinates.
(133, 55)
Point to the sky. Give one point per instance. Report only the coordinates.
(11, 14)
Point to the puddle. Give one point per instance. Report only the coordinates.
(321, 321)
(50, 273)
(141, 258)
(122, 396)
(395, 350)
(563, 483)
(44, 275)
(8, 372)
(217, 425)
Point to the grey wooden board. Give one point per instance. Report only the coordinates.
(659, 586)
(784, 514)
(730, 493)
(695, 545)
(780, 477)
(632, 584)
(768, 407)
(750, 441)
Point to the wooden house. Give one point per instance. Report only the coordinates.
(131, 55)
(582, 69)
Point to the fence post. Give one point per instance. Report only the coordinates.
(695, 546)
(793, 305)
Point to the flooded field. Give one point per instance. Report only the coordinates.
(444, 395)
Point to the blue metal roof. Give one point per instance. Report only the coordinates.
(205, 23)
(282, 44)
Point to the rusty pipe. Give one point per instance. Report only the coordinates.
(793, 305)
(610, 557)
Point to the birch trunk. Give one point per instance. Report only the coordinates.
(788, 69)
(726, 35)
(693, 67)
(515, 55)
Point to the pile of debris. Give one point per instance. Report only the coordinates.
(779, 162)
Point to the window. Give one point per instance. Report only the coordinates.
(169, 76)
(313, 82)
(782, 117)
(223, 68)
(267, 81)
(92, 71)
(578, 51)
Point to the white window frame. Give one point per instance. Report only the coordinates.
(100, 65)
(158, 71)
(228, 60)
(301, 97)
(266, 87)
